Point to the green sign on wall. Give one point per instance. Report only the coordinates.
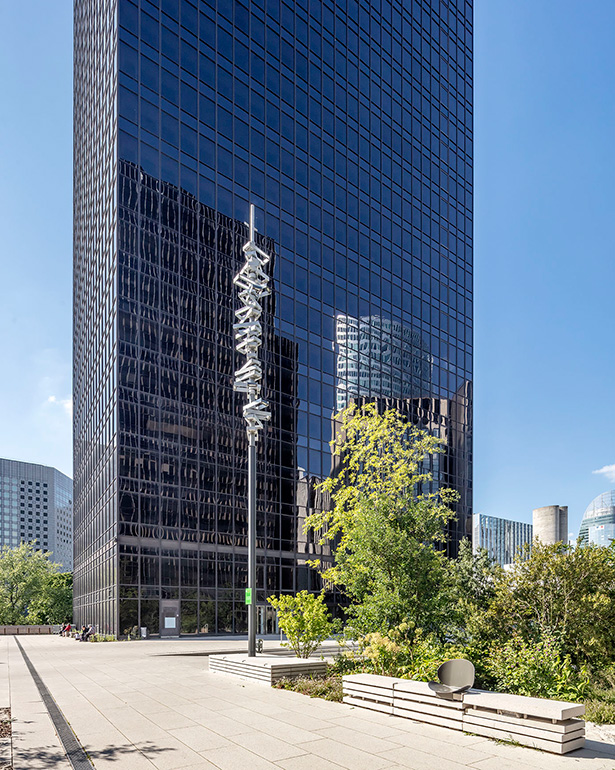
(248, 596)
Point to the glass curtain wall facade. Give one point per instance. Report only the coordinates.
(349, 126)
(501, 538)
(598, 524)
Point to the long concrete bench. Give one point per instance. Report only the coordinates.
(543, 724)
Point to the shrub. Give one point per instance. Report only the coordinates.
(537, 668)
(304, 619)
(327, 687)
(599, 712)
(396, 655)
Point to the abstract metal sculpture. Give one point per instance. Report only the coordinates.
(253, 283)
(455, 676)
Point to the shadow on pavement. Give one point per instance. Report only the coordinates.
(50, 757)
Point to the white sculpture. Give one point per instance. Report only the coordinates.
(253, 283)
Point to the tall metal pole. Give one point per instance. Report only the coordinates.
(253, 283)
(252, 545)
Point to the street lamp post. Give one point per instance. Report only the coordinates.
(253, 284)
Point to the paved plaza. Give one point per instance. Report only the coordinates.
(144, 705)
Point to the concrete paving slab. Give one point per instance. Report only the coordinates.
(268, 747)
(346, 756)
(238, 758)
(419, 760)
(307, 762)
(367, 728)
(151, 706)
(200, 738)
(358, 739)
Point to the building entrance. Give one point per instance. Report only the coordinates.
(169, 618)
(266, 621)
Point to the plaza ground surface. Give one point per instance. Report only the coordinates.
(144, 705)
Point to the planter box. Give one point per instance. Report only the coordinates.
(265, 668)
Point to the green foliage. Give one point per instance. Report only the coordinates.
(304, 619)
(55, 602)
(561, 591)
(537, 668)
(30, 587)
(385, 526)
(600, 712)
(103, 638)
(326, 687)
(396, 655)
(475, 576)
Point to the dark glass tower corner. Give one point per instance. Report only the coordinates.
(349, 126)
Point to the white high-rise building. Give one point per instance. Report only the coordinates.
(36, 504)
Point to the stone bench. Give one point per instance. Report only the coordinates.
(369, 691)
(543, 724)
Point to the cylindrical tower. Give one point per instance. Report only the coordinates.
(551, 524)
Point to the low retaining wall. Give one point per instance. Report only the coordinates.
(537, 722)
(14, 630)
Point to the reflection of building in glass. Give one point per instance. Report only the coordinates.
(379, 357)
(449, 420)
(501, 538)
(36, 504)
(352, 135)
(182, 445)
(598, 524)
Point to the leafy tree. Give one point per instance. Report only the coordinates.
(562, 591)
(475, 577)
(29, 582)
(385, 525)
(304, 619)
(54, 604)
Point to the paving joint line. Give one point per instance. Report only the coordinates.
(74, 750)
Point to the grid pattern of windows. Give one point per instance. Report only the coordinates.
(598, 524)
(36, 506)
(501, 538)
(94, 313)
(349, 126)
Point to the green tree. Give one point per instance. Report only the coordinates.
(561, 591)
(54, 604)
(386, 525)
(304, 619)
(27, 584)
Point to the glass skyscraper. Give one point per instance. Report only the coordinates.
(503, 539)
(349, 126)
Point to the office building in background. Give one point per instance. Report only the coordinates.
(598, 524)
(503, 539)
(36, 505)
(349, 127)
(551, 524)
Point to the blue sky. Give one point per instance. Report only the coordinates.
(544, 254)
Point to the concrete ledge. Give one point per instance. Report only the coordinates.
(521, 704)
(265, 669)
(537, 722)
